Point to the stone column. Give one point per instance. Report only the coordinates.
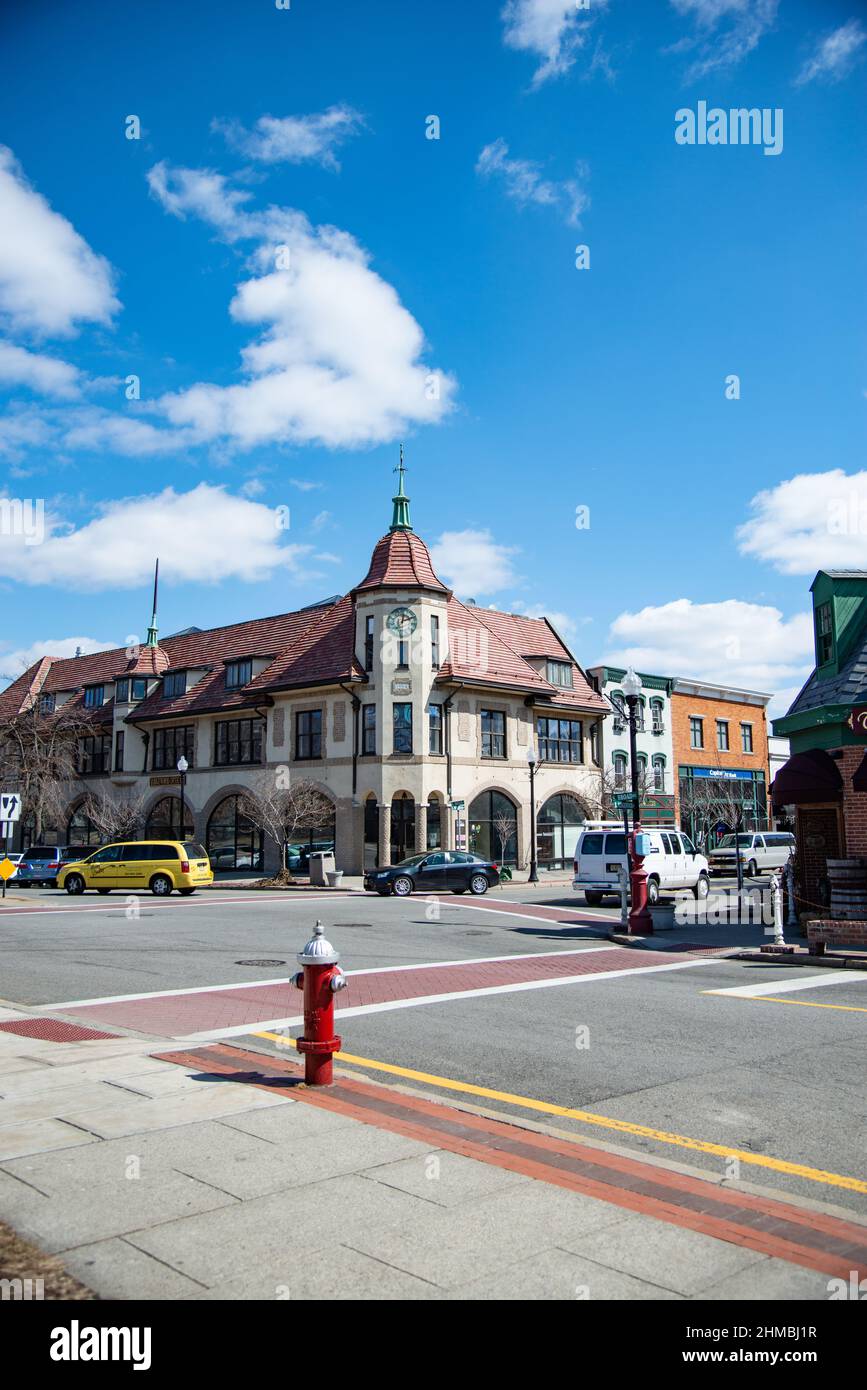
(384, 834)
(420, 827)
(448, 826)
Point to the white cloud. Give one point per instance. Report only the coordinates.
(294, 139)
(338, 358)
(202, 535)
(726, 32)
(835, 55)
(50, 279)
(14, 663)
(731, 642)
(48, 375)
(320, 520)
(304, 484)
(524, 182)
(553, 30)
(565, 624)
(810, 522)
(473, 563)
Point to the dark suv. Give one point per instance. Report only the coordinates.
(438, 871)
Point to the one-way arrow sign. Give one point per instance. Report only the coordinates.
(10, 806)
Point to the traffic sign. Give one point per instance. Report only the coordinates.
(623, 798)
(10, 806)
(7, 868)
(457, 805)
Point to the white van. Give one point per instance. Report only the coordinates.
(673, 862)
(769, 850)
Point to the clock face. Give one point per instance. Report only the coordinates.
(402, 622)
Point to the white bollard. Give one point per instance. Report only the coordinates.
(624, 896)
(777, 904)
(790, 889)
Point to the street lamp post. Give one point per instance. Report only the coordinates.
(640, 920)
(533, 763)
(182, 769)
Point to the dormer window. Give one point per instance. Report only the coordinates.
(238, 673)
(126, 689)
(560, 673)
(94, 696)
(46, 704)
(824, 634)
(175, 684)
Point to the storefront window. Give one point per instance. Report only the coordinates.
(233, 841)
(493, 825)
(557, 829)
(164, 821)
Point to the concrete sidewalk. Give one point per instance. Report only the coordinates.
(154, 1181)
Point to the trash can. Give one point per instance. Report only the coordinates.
(321, 863)
(335, 877)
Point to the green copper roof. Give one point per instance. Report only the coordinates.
(400, 516)
(152, 630)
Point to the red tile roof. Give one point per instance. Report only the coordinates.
(401, 558)
(316, 646)
(487, 647)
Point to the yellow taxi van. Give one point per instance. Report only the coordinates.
(158, 865)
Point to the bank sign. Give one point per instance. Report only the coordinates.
(728, 774)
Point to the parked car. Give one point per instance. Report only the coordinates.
(438, 871)
(160, 865)
(40, 864)
(673, 862)
(769, 850)
(298, 855)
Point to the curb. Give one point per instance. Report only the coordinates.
(801, 957)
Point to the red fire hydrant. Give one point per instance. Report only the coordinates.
(320, 980)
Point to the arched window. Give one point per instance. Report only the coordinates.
(618, 700)
(233, 841)
(164, 821)
(493, 826)
(621, 763)
(659, 773)
(558, 827)
(81, 830)
(656, 711)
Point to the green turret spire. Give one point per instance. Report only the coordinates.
(152, 630)
(400, 516)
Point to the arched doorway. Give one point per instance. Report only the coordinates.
(493, 823)
(371, 832)
(557, 829)
(81, 830)
(233, 842)
(434, 822)
(402, 827)
(164, 820)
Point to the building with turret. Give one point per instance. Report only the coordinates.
(412, 712)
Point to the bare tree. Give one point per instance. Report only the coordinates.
(610, 784)
(39, 753)
(707, 801)
(116, 818)
(504, 828)
(281, 806)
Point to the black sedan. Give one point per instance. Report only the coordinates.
(438, 871)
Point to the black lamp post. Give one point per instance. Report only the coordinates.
(533, 764)
(640, 920)
(182, 769)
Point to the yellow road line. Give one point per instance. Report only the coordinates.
(779, 1165)
(803, 1003)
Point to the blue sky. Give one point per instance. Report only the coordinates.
(428, 293)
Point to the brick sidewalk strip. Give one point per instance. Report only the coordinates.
(771, 1227)
(182, 1015)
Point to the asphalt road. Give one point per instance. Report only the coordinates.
(779, 1080)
